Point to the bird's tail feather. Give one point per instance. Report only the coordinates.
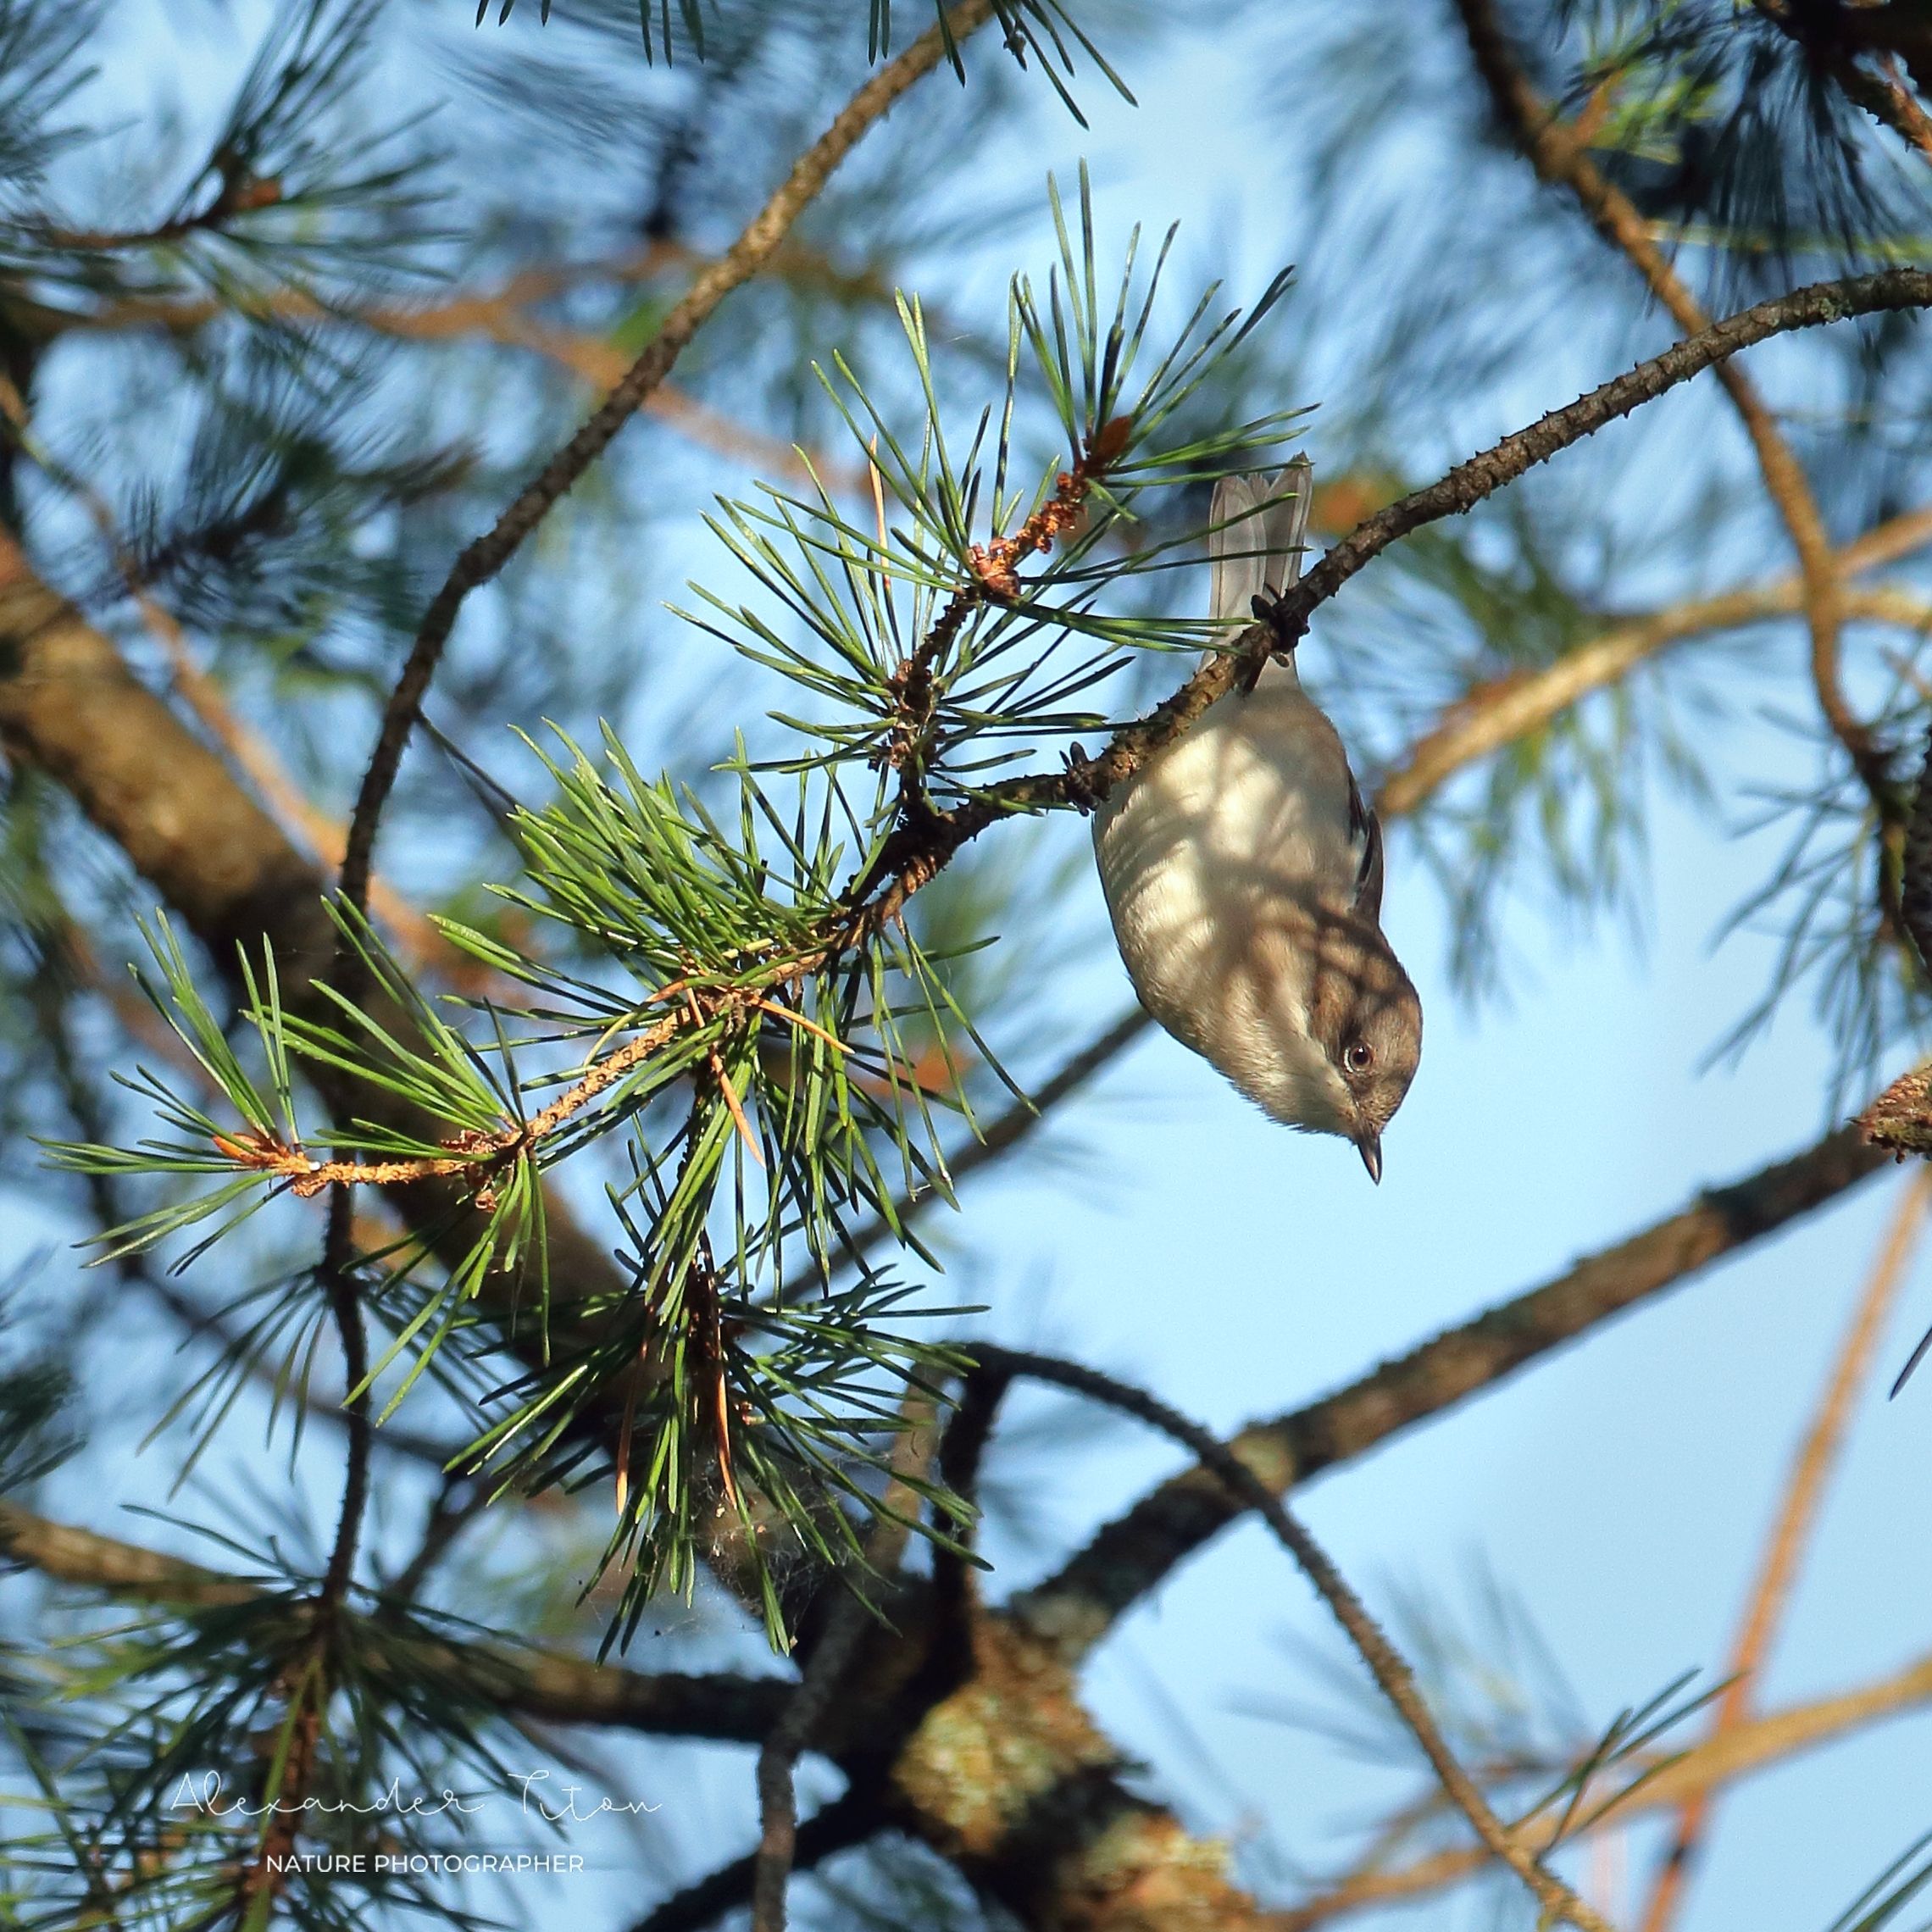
(1258, 527)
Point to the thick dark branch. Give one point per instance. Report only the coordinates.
(1075, 1609)
(545, 1685)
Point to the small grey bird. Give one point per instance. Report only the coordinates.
(1244, 873)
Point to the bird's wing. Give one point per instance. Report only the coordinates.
(1257, 526)
(1364, 825)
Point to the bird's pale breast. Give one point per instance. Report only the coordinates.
(1248, 809)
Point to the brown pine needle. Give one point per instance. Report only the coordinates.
(879, 512)
(799, 1019)
(738, 1120)
(720, 1402)
(624, 1428)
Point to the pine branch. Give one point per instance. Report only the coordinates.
(237, 194)
(921, 850)
(928, 838)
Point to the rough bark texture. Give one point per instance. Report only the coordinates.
(1899, 1122)
(1915, 887)
(1009, 1778)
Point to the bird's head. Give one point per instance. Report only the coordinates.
(1342, 1033)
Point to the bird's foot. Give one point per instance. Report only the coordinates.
(1081, 793)
(1281, 647)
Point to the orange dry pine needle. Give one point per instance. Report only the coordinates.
(738, 1120)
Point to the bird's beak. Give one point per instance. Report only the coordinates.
(1369, 1146)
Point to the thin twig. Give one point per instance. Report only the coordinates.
(1804, 1489)
(1385, 1663)
(446, 1520)
(309, 1675)
(1886, 98)
(485, 558)
(345, 1306)
(1832, 40)
(776, 1857)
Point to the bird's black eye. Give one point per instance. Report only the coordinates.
(1358, 1057)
